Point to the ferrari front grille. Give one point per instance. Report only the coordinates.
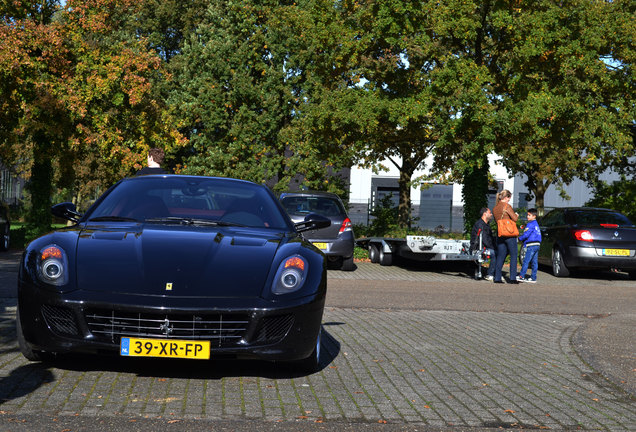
(220, 329)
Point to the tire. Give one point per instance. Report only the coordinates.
(374, 254)
(25, 348)
(386, 259)
(5, 242)
(559, 269)
(348, 264)
(632, 274)
(311, 364)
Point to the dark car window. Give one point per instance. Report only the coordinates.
(206, 199)
(595, 217)
(325, 206)
(554, 218)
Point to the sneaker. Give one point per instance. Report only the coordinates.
(520, 279)
(489, 278)
(530, 280)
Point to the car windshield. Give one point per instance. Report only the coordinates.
(190, 201)
(325, 206)
(591, 217)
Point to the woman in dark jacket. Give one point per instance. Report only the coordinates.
(505, 245)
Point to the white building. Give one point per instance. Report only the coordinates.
(441, 205)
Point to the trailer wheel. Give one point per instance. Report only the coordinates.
(386, 259)
(374, 253)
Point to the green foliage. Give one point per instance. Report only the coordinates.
(619, 195)
(385, 217)
(77, 110)
(566, 86)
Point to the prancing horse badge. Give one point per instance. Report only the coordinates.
(168, 286)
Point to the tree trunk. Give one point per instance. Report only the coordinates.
(404, 205)
(539, 194)
(38, 219)
(475, 192)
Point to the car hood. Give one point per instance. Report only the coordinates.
(175, 260)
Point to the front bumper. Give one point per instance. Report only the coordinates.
(94, 323)
(593, 258)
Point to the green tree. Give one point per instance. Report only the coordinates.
(619, 195)
(77, 108)
(380, 105)
(566, 89)
(233, 92)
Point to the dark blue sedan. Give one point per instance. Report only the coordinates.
(178, 267)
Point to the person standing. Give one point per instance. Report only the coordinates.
(482, 230)
(531, 238)
(506, 246)
(155, 159)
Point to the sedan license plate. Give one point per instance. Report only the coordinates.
(136, 347)
(616, 252)
(321, 246)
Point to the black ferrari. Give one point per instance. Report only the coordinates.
(179, 267)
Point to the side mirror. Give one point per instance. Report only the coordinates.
(66, 210)
(313, 221)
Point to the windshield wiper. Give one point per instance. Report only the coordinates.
(190, 221)
(112, 219)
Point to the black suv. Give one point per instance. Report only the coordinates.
(336, 241)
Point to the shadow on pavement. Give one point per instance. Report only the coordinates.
(24, 380)
(177, 368)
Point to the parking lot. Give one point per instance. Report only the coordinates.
(404, 346)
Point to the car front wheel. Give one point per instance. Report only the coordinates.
(311, 364)
(559, 269)
(26, 350)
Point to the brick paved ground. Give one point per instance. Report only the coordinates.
(419, 367)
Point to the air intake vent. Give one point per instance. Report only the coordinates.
(60, 320)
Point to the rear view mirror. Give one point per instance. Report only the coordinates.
(313, 221)
(66, 210)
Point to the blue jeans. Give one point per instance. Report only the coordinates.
(493, 262)
(531, 259)
(506, 246)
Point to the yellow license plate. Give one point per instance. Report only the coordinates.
(322, 246)
(616, 252)
(137, 347)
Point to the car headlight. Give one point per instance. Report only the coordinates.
(291, 275)
(53, 265)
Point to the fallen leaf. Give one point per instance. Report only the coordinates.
(427, 407)
(302, 417)
(595, 400)
(382, 421)
(509, 411)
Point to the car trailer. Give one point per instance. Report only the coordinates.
(382, 250)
